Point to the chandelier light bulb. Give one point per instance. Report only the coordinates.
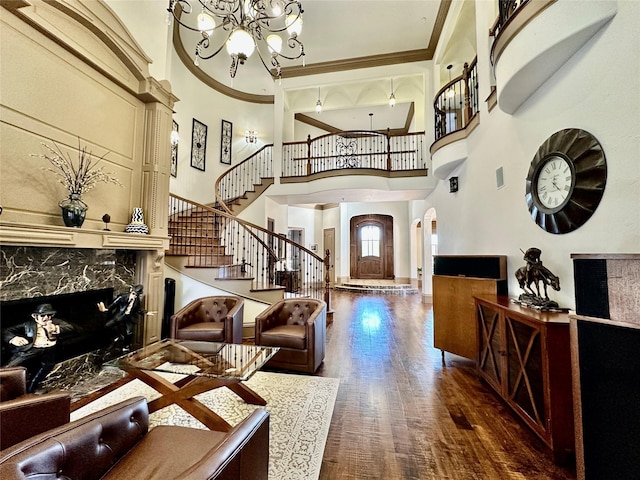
(240, 43)
(276, 9)
(275, 43)
(295, 25)
(250, 25)
(206, 23)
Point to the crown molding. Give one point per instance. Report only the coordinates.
(187, 61)
(394, 58)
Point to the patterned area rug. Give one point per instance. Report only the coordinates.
(300, 406)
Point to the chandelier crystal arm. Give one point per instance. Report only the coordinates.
(250, 25)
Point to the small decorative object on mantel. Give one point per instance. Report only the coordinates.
(137, 224)
(77, 179)
(106, 218)
(534, 273)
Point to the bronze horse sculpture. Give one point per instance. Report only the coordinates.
(536, 274)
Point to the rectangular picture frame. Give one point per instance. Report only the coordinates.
(198, 145)
(226, 134)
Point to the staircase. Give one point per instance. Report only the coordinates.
(196, 234)
(215, 246)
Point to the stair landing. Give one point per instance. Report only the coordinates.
(377, 287)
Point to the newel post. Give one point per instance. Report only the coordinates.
(327, 283)
(467, 99)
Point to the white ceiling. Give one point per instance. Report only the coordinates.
(344, 30)
(333, 30)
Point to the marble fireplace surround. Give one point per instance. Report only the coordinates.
(43, 260)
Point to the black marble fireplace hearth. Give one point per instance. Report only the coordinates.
(79, 309)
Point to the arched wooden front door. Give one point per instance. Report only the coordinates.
(371, 247)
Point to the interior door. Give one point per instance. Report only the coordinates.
(372, 247)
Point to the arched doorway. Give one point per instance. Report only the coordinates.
(371, 247)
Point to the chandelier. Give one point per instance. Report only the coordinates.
(243, 26)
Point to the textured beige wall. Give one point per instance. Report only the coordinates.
(70, 70)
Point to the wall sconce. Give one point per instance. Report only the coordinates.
(251, 136)
(453, 184)
(175, 136)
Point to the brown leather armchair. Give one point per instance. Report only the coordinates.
(116, 443)
(299, 327)
(24, 415)
(212, 319)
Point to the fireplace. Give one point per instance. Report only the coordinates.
(73, 281)
(78, 309)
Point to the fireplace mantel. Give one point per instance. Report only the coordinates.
(148, 263)
(24, 234)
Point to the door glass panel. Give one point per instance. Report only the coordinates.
(370, 241)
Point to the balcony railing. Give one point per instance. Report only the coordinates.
(372, 150)
(244, 177)
(506, 10)
(456, 103)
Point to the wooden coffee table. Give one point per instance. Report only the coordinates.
(202, 366)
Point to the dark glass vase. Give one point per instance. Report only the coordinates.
(74, 211)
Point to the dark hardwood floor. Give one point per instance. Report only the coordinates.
(403, 413)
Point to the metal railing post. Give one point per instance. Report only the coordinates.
(308, 154)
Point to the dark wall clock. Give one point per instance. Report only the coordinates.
(566, 180)
(198, 145)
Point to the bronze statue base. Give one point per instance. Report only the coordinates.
(538, 303)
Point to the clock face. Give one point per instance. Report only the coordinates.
(554, 183)
(566, 181)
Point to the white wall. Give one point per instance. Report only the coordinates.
(481, 219)
(210, 107)
(151, 34)
(188, 289)
(305, 218)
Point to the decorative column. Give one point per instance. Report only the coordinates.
(155, 174)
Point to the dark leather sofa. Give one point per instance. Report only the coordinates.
(24, 415)
(210, 319)
(115, 444)
(299, 327)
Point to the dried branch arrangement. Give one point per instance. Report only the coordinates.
(77, 179)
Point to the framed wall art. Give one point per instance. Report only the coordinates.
(174, 148)
(198, 145)
(225, 142)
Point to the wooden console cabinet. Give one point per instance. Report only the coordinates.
(456, 280)
(524, 355)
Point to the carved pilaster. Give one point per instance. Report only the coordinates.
(156, 166)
